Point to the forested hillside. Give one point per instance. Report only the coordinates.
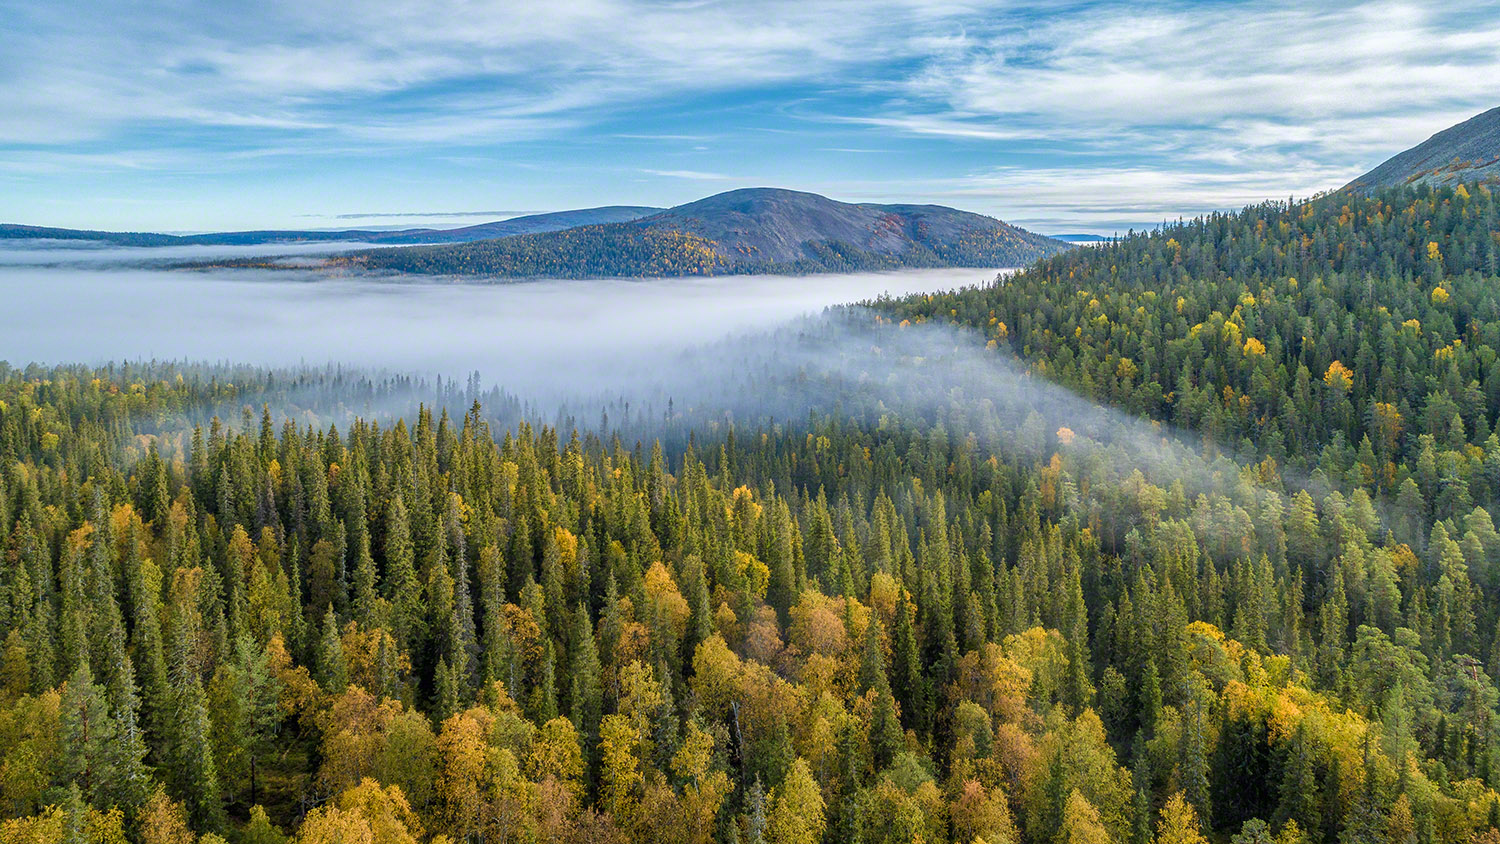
(753, 230)
(1468, 152)
(582, 252)
(957, 619)
(528, 224)
(1354, 336)
(835, 632)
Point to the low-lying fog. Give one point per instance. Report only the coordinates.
(75, 254)
(532, 338)
(727, 348)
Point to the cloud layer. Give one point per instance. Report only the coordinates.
(1080, 115)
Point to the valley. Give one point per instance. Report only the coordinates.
(751, 515)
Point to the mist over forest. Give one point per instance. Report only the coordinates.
(643, 358)
(762, 517)
(96, 255)
(540, 339)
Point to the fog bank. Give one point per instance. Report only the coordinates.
(92, 254)
(538, 339)
(649, 359)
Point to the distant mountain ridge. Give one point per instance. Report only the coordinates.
(1467, 152)
(13, 231)
(750, 230)
(528, 224)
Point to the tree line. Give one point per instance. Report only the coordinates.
(872, 628)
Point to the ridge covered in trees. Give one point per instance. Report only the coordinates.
(1352, 337)
(1467, 152)
(747, 231)
(956, 621)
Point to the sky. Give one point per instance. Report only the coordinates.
(179, 115)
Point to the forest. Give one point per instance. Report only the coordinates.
(236, 608)
(633, 250)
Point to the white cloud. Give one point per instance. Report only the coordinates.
(1173, 107)
(693, 175)
(1096, 199)
(518, 69)
(1356, 77)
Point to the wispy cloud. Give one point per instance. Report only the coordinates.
(692, 175)
(1351, 78)
(1027, 108)
(376, 215)
(385, 71)
(1103, 200)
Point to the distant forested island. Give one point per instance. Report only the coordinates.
(1201, 548)
(528, 224)
(755, 230)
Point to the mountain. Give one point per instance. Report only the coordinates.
(12, 231)
(1246, 327)
(752, 230)
(529, 224)
(1468, 152)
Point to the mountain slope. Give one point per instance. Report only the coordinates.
(11, 231)
(752, 230)
(1335, 335)
(529, 224)
(1467, 152)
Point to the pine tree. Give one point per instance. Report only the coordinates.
(585, 696)
(1140, 774)
(90, 738)
(333, 669)
(755, 823)
(367, 610)
(190, 767)
(446, 692)
(1078, 690)
(886, 737)
(403, 591)
(128, 751)
(1192, 764)
(1300, 793)
(909, 678)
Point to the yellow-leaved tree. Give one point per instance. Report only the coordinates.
(796, 815)
(1080, 823)
(1179, 823)
(367, 814)
(704, 794)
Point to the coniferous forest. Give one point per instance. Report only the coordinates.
(232, 609)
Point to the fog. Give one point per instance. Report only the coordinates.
(537, 339)
(649, 359)
(90, 254)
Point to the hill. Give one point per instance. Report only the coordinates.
(529, 224)
(12, 231)
(1353, 335)
(752, 230)
(1467, 152)
(506, 632)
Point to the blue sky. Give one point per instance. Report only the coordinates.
(178, 115)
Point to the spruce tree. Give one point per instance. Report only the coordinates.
(333, 670)
(190, 767)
